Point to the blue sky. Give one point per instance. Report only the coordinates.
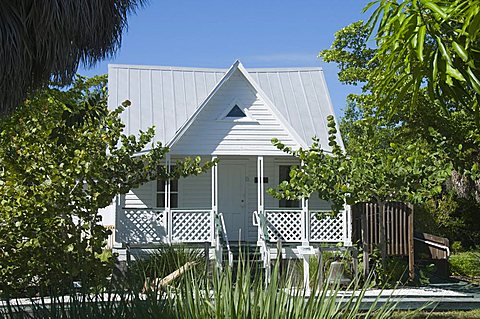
(214, 33)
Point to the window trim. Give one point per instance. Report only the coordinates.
(248, 118)
(162, 192)
(293, 203)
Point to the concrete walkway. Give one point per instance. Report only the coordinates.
(449, 296)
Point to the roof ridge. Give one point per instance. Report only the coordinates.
(202, 69)
(164, 68)
(285, 69)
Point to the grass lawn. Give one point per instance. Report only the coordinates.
(471, 314)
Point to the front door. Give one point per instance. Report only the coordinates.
(231, 199)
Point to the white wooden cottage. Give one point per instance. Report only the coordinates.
(230, 114)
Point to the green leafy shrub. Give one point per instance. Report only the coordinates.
(389, 275)
(63, 157)
(466, 264)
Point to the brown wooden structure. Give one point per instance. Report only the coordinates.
(431, 249)
(387, 226)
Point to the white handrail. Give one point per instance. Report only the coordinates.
(434, 244)
(224, 231)
(221, 230)
(263, 239)
(179, 210)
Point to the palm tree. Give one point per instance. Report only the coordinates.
(44, 41)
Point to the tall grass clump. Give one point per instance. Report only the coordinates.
(243, 297)
(218, 295)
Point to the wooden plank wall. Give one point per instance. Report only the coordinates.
(391, 232)
(395, 223)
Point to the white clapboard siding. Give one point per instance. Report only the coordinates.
(195, 191)
(141, 197)
(211, 134)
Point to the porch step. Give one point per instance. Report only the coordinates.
(245, 254)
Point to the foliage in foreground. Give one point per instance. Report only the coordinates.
(465, 263)
(217, 297)
(432, 43)
(63, 156)
(380, 171)
(394, 112)
(45, 40)
(427, 72)
(161, 262)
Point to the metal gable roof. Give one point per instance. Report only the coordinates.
(167, 97)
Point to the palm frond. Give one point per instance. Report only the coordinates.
(43, 41)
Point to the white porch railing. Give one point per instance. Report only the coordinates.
(221, 233)
(298, 226)
(157, 225)
(197, 226)
(191, 226)
(285, 225)
(326, 228)
(143, 225)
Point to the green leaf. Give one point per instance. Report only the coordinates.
(435, 67)
(453, 72)
(443, 50)
(421, 41)
(474, 80)
(460, 51)
(436, 9)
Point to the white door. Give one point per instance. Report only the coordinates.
(231, 199)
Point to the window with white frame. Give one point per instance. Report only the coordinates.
(284, 175)
(173, 192)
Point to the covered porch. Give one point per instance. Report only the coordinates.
(228, 203)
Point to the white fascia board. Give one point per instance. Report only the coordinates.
(199, 109)
(332, 112)
(272, 107)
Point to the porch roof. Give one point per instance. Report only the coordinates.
(169, 97)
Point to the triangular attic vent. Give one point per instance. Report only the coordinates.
(236, 112)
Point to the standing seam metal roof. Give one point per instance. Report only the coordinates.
(168, 96)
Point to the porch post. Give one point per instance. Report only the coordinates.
(168, 210)
(214, 200)
(260, 209)
(306, 222)
(260, 186)
(306, 242)
(348, 225)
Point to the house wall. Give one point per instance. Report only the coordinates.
(210, 134)
(195, 191)
(141, 197)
